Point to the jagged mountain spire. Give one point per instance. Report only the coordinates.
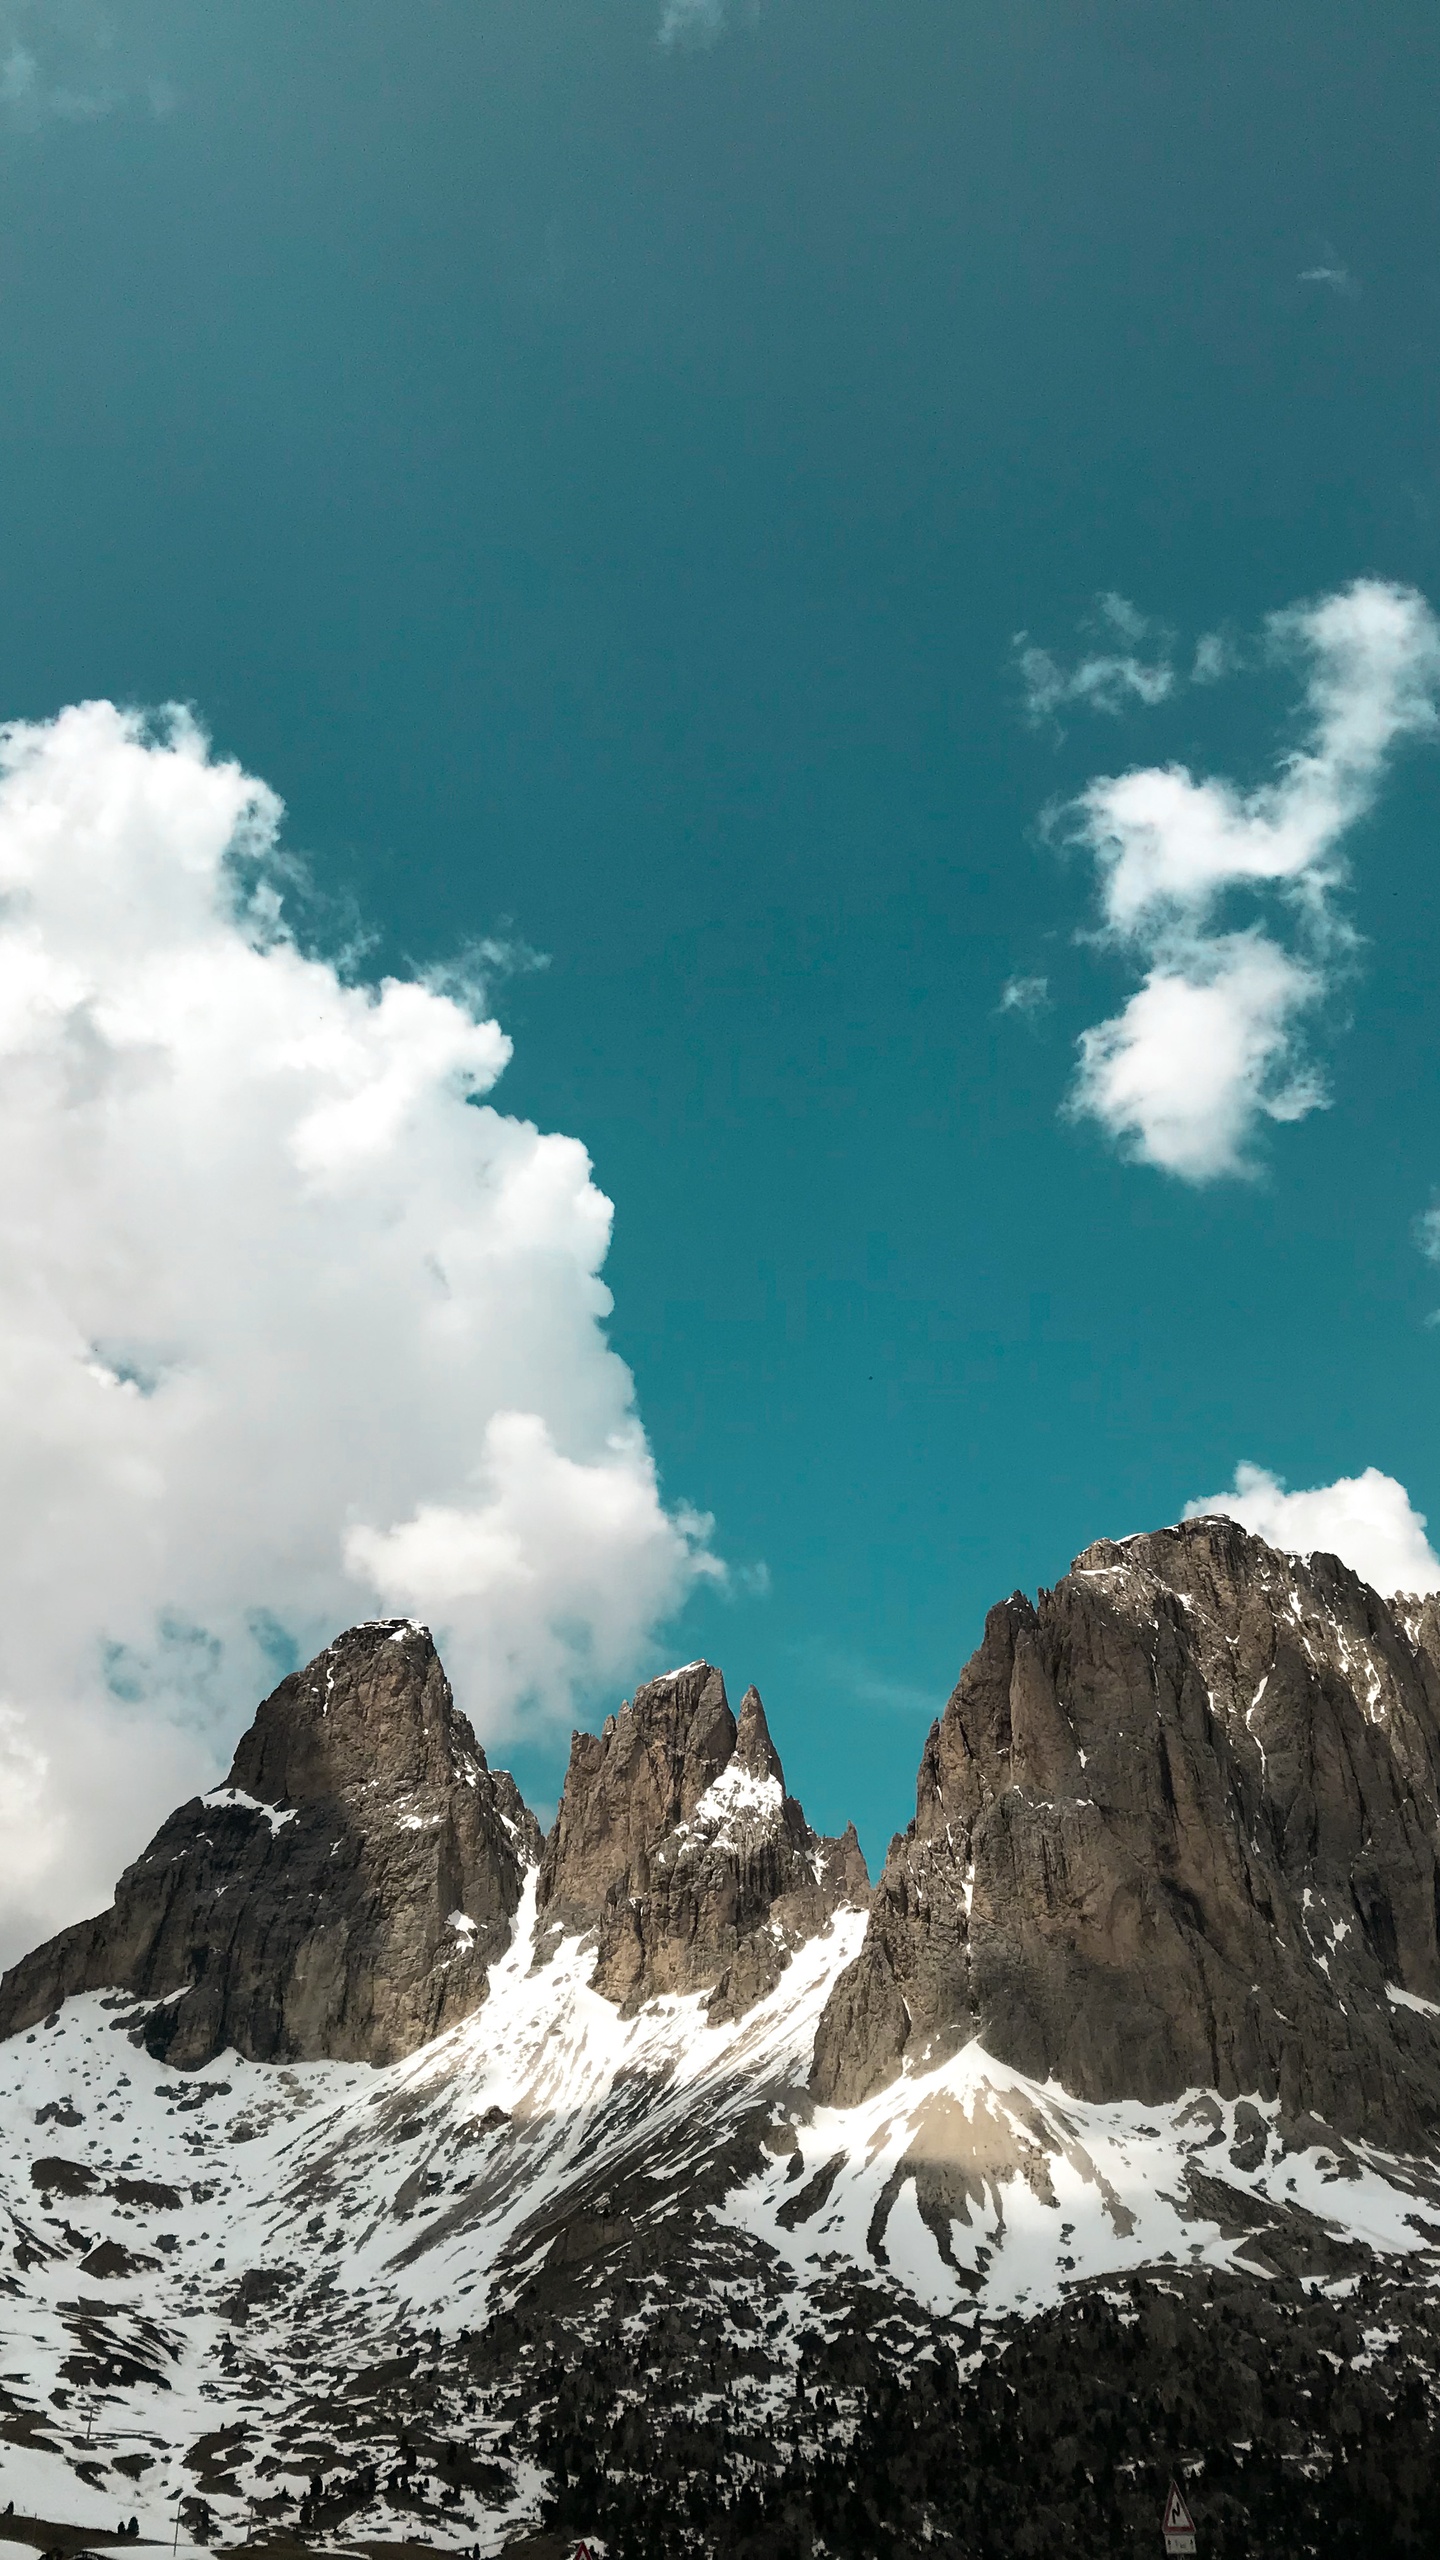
(677, 1844)
(754, 1749)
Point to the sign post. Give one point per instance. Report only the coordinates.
(1178, 2527)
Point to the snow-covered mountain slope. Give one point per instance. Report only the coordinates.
(625, 2179)
(207, 2276)
(191, 2254)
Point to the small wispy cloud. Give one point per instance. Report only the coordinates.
(1028, 996)
(1217, 655)
(471, 975)
(29, 98)
(1330, 272)
(692, 25)
(1427, 1236)
(751, 1581)
(67, 62)
(870, 1688)
(1110, 676)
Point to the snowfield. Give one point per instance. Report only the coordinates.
(194, 2265)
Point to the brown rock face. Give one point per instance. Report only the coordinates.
(341, 1897)
(677, 1844)
(1179, 1824)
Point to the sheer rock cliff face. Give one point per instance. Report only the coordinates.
(1178, 1825)
(678, 1845)
(341, 1897)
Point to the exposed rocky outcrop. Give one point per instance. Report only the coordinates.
(342, 1896)
(678, 1845)
(1177, 1826)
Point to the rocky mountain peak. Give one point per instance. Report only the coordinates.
(341, 1896)
(1177, 1827)
(677, 1844)
(373, 1709)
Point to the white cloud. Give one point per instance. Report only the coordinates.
(1171, 851)
(1199, 1053)
(1168, 847)
(1367, 1520)
(294, 1325)
(586, 1538)
(1109, 678)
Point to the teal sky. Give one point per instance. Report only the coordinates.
(599, 486)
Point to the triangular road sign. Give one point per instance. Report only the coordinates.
(1179, 2526)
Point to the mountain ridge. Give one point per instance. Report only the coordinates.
(696, 2153)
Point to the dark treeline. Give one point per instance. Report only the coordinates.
(1061, 2443)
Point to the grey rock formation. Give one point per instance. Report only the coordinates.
(1178, 1825)
(342, 1896)
(678, 1845)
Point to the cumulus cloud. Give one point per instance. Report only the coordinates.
(1367, 1520)
(1107, 678)
(295, 1326)
(1210, 1045)
(1199, 1053)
